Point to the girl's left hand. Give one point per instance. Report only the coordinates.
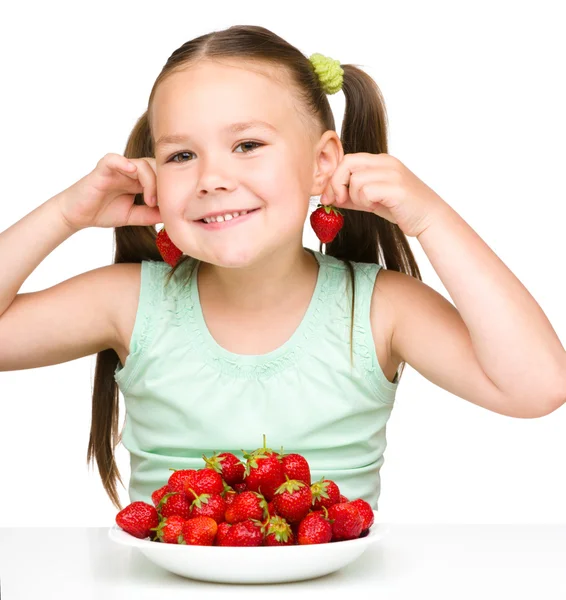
(382, 184)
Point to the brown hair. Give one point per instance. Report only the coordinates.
(364, 237)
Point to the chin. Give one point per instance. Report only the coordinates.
(231, 258)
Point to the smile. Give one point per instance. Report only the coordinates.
(230, 222)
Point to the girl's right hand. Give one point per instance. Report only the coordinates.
(105, 197)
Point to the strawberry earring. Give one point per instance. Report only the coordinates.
(326, 222)
(169, 252)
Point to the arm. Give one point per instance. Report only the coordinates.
(72, 319)
(496, 348)
(24, 245)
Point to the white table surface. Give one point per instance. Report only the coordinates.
(413, 561)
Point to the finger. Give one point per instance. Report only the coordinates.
(151, 162)
(146, 176)
(117, 162)
(359, 182)
(144, 215)
(351, 163)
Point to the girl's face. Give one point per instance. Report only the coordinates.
(212, 166)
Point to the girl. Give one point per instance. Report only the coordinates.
(248, 332)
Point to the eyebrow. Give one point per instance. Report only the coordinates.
(177, 138)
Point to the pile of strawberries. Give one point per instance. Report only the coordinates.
(266, 500)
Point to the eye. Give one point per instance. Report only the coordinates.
(255, 144)
(175, 156)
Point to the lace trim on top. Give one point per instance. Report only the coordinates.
(187, 312)
(364, 344)
(151, 295)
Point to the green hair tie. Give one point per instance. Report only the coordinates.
(329, 72)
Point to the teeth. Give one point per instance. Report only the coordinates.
(226, 217)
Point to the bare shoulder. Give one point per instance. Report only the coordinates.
(382, 318)
(395, 294)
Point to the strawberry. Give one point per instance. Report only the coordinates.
(167, 248)
(200, 531)
(228, 465)
(278, 533)
(247, 505)
(264, 471)
(296, 466)
(240, 487)
(314, 529)
(343, 498)
(366, 512)
(324, 493)
(347, 521)
(293, 500)
(174, 503)
(177, 480)
(170, 529)
(326, 222)
(223, 529)
(158, 494)
(138, 519)
(209, 505)
(229, 496)
(204, 481)
(244, 533)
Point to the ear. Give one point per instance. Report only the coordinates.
(328, 155)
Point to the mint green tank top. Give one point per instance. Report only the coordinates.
(185, 395)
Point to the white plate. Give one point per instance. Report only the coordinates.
(260, 564)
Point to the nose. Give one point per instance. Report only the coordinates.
(213, 177)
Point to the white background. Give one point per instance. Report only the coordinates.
(475, 95)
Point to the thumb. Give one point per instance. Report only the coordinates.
(145, 215)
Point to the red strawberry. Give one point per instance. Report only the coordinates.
(228, 465)
(170, 529)
(346, 521)
(138, 519)
(314, 529)
(244, 533)
(264, 471)
(343, 498)
(204, 481)
(177, 480)
(324, 493)
(278, 533)
(223, 529)
(240, 487)
(293, 500)
(366, 512)
(326, 222)
(158, 494)
(174, 503)
(209, 505)
(200, 531)
(296, 466)
(247, 505)
(229, 496)
(167, 248)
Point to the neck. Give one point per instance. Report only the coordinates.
(262, 288)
